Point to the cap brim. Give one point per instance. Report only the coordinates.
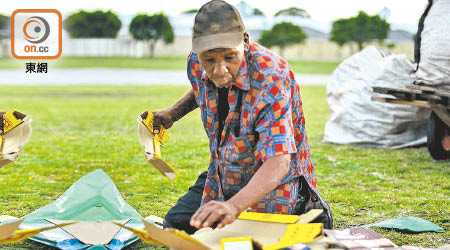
(215, 41)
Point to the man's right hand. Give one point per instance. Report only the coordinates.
(167, 117)
(160, 117)
(17, 114)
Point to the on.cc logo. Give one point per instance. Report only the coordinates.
(36, 29)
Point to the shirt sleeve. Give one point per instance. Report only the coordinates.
(194, 73)
(274, 121)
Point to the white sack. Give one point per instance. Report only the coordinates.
(434, 65)
(356, 120)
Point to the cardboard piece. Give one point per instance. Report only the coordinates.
(141, 234)
(174, 238)
(282, 218)
(8, 229)
(278, 218)
(23, 234)
(15, 136)
(309, 216)
(91, 232)
(157, 220)
(271, 235)
(151, 145)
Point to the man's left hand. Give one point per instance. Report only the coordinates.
(222, 213)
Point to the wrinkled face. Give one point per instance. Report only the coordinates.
(222, 65)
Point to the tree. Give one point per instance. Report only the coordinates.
(282, 35)
(151, 29)
(293, 11)
(360, 29)
(258, 12)
(5, 33)
(92, 24)
(191, 11)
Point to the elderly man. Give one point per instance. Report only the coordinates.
(252, 113)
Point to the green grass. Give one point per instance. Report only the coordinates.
(79, 129)
(169, 63)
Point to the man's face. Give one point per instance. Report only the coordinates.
(222, 65)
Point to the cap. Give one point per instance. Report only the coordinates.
(217, 25)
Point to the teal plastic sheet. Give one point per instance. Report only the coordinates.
(409, 224)
(93, 197)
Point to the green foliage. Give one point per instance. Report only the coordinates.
(293, 11)
(97, 24)
(360, 29)
(390, 45)
(258, 12)
(151, 29)
(282, 35)
(5, 26)
(191, 11)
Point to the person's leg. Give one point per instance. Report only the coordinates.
(180, 215)
(308, 199)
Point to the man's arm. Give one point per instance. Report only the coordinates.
(178, 110)
(1, 121)
(265, 180)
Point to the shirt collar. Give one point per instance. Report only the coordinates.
(242, 80)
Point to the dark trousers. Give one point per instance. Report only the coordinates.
(180, 215)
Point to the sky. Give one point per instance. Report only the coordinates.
(402, 11)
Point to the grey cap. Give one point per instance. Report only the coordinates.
(217, 25)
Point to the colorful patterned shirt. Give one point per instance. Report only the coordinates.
(265, 119)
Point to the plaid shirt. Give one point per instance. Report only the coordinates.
(269, 122)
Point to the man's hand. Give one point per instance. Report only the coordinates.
(167, 117)
(222, 213)
(160, 117)
(17, 114)
(265, 180)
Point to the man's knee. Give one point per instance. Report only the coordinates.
(309, 199)
(179, 216)
(179, 221)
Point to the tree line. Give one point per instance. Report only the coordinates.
(359, 29)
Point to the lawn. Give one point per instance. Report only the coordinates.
(82, 128)
(169, 63)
